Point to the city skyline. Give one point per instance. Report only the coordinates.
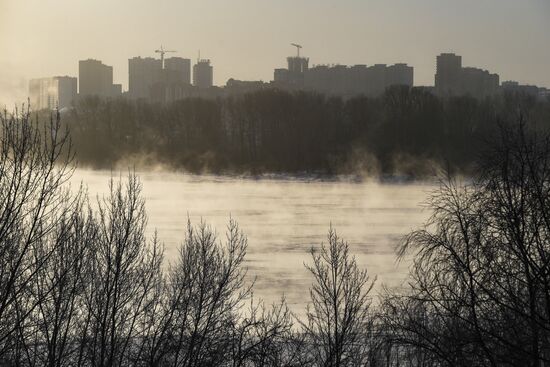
(247, 40)
(217, 82)
(168, 80)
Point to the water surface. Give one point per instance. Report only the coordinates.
(283, 218)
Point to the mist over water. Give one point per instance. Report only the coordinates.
(282, 219)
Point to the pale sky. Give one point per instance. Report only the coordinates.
(247, 39)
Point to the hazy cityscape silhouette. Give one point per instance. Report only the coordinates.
(167, 80)
(350, 183)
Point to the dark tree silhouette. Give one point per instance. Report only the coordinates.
(405, 131)
(35, 163)
(57, 289)
(480, 276)
(123, 271)
(338, 317)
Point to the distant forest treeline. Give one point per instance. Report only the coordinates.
(404, 131)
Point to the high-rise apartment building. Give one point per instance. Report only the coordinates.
(358, 79)
(318, 78)
(95, 79)
(348, 81)
(50, 93)
(400, 74)
(376, 79)
(294, 75)
(143, 73)
(149, 79)
(452, 79)
(478, 83)
(280, 76)
(297, 64)
(448, 72)
(515, 87)
(297, 67)
(177, 70)
(203, 74)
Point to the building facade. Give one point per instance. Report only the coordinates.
(294, 75)
(452, 79)
(346, 81)
(400, 74)
(515, 87)
(51, 93)
(143, 73)
(341, 80)
(447, 74)
(177, 70)
(203, 74)
(96, 79)
(478, 83)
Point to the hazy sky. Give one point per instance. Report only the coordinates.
(247, 39)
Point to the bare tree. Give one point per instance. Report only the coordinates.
(482, 264)
(408, 333)
(151, 346)
(35, 162)
(207, 288)
(122, 274)
(199, 318)
(262, 336)
(338, 316)
(57, 289)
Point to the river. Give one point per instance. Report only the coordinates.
(283, 218)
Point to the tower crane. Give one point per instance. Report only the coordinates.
(298, 47)
(162, 51)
